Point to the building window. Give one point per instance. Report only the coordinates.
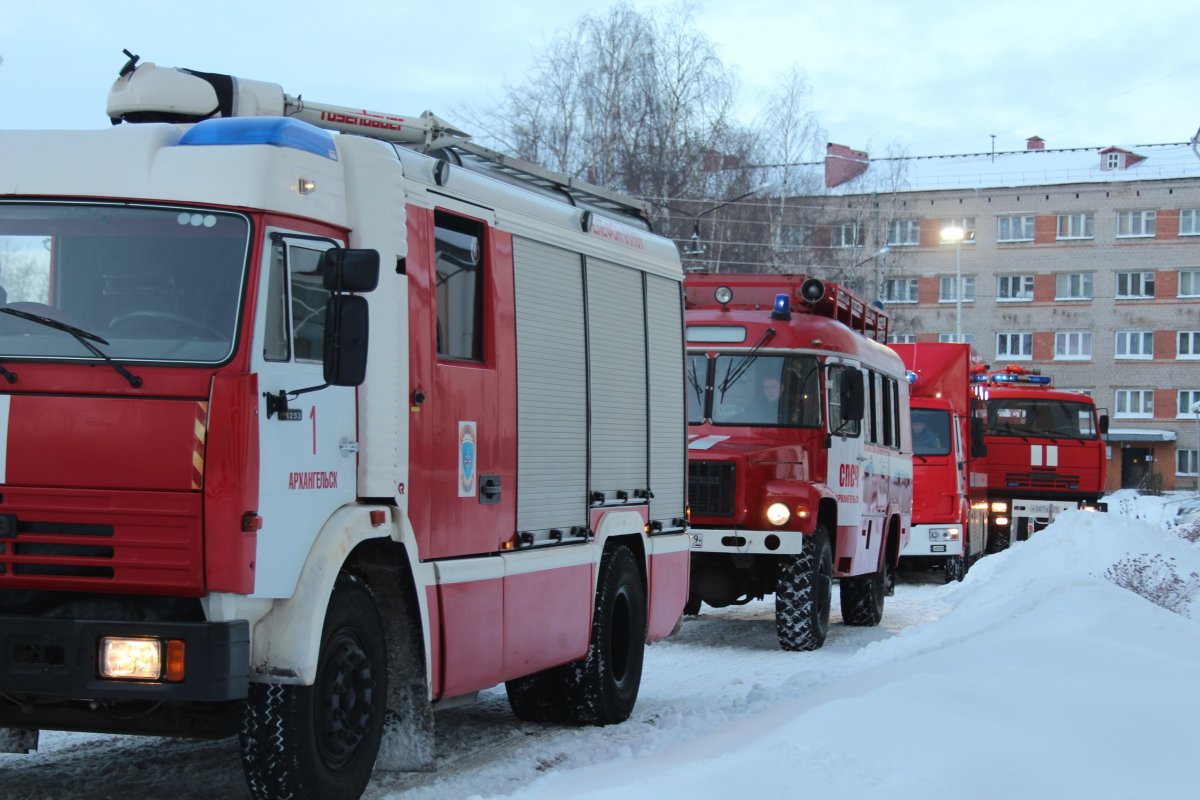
(900, 290)
(1014, 287)
(1135, 344)
(1189, 222)
(1075, 226)
(1112, 160)
(1072, 345)
(1189, 283)
(951, 338)
(1135, 403)
(966, 224)
(1073, 286)
(846, 235)
(1135, 223)
(946, 293)
(1014, 346)
(904, 232)
(1186, 463)
(1139, 285)
(1015, 228)
(902, 338)
(1188, 345)
(1186, 400)
(1088, 392)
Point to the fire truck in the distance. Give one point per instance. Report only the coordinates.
(229, 509)
(799, 461)
(1046, 453)
(949, 465)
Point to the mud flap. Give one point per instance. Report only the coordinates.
(18, 740)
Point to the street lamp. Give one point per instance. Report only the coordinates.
(954, 233)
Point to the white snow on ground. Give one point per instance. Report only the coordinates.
(1036, 677)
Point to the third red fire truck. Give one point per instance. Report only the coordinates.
(949, 465)
(1046, 453)
(799, 463)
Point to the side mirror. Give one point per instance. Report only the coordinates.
(346, 323)
(978, 447)
(854, 395)
(350, 270)
(1103, 424)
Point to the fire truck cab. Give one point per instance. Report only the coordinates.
(1046, 453)
(313, 419)
(799, 460)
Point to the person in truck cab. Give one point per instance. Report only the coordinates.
(926, 440)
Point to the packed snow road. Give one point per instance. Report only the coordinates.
(723, 665)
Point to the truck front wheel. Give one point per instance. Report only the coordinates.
(803, 592)
(321, 740)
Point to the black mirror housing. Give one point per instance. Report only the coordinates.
(350, 270)
(854, 397)
(346, 324)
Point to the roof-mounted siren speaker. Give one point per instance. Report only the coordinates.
(812, 291)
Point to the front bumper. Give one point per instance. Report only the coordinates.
(58, 658)
(738, 541)
(922, 542)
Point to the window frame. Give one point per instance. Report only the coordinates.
(1027, 281)
(1142, 394)
(1067, 336)
(1122, 341)
(963, 282)
(1084, 220)
(1024, 352)
(910, 297)
(1183, 408)
(1086, 288)
(910, 227)
(1026, 223)
(1193, 279)
(1137, 224)
(1194, 337)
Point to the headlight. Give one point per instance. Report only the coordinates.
(140, 659)
(999, 507)
(1001, 521)
(943, 534)
(135, 659)
(778, 514)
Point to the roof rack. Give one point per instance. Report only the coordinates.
(148, 93)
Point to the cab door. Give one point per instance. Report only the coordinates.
(307, 434)
(846, 458)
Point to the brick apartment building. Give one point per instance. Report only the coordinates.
(1081, 263)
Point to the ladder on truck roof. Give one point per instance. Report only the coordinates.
(807, 295)
(149, 93)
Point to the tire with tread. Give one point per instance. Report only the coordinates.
(863, 595)
(803, 594)
(321, 741)
(602, 687)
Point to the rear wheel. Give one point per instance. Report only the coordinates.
(601, 688)
(862, 596)
(955, 567)
(320, 741)
(803, 593)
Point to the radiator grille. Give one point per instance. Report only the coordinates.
(711, 488)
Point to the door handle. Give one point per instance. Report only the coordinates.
(489, 489)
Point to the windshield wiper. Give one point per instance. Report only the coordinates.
(737, 370)
(83, 337)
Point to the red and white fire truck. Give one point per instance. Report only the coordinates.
(949, 466)
(224, 510)
(1046, 453)
(799, 464)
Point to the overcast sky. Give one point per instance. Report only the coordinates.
(932, 77)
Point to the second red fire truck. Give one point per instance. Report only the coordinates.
(949, 465)
(799, 464)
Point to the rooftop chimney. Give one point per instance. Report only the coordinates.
(843, 164)
(1035, 143)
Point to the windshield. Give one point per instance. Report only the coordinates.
(147, 284)
(1027, 417)
(930, 432)
(765, 390)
